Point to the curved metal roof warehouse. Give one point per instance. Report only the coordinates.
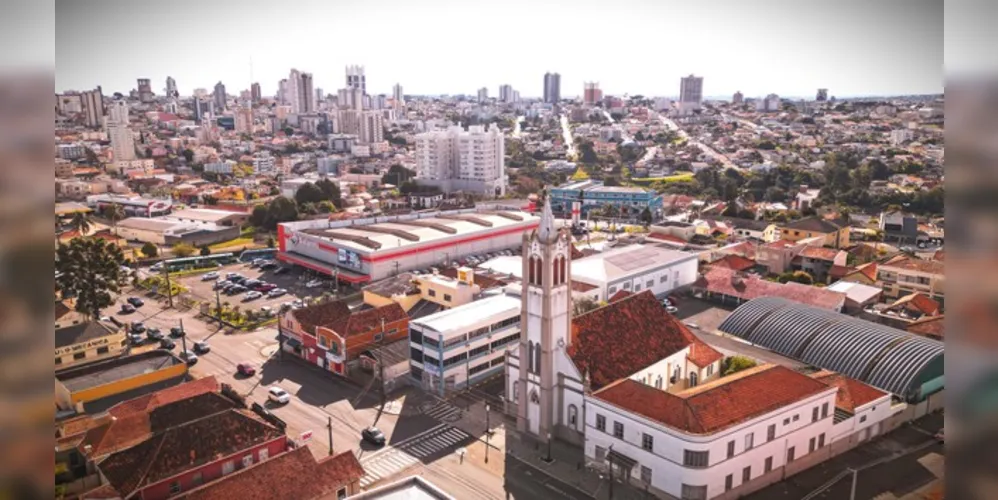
(886, 358)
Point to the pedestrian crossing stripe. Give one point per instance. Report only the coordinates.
(410, 452)
(442, 411)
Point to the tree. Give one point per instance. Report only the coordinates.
(797, 277)
(646, 217)
(259, 216)
(279, 210)
(331, 191)
(149, 250)
(205, 251)
(81, 223)
(270, 242)
(114, 213)
(326, 207)
(89, 271)
(183, 250)
(583, 305)
(308, 193)
(188, 155)
(735, 364)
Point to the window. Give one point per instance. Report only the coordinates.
(197, 479)
(478, 350)
(749, 441)
(263, 454)
(612, 290)
(174, 487)
(323, 342)
(433, 293)
(790, 454)
(694, 492)
(600, 423)
(103, 350)
(627, 286)
(862, 419)
(537, 359)
(647, 442)
(663, 278)
(618, 430)
(786, 421)
(731, 448)
(341, 494)
(796, 418)
(248, 460)
(747, 474)
(447, 297)
(810, 445)
(637, 288)
(228, 467)
(693, 379)
(378, 337)
(658, 382)
(729, 482)
(416, 355)
(334, 348)
(573, 416)
(767, 465)
(600, 454)
(650, 284)
(814, 414)
(695, 458)
(710, 369)
(415, 336)
(824, 410)
(771, 433)
(516, 391)
(821, 441)
(451, 361)
(58, 361)
(80, 355)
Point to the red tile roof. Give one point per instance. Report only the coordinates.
(917, 302)
(734, 262)
(779, 244)
(914, 264)
(294, 475)
(617, 340)
(932, 327)
(747, 287)
(338, 317)
(620, 295)
(716, 405)
(819, 253)
(869, 270)
(838, 272)
(151, 401)
(578, 286)
(852, 393)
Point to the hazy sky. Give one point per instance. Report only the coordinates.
(790, 47)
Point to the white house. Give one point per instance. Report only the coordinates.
(635, 268)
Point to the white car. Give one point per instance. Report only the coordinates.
(278, 395)
(209, 276)
(252, 295)
(313, 284)
(277, 292)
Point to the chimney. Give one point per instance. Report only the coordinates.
(803, 188)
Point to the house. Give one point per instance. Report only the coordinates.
(865, 274)
(903, 275)
(898, 227)
(932, 327)
(755, 229)
(333, 337)
(834, 233)
(907, 310)
(858, 295)
(805, 198)
(818, 261)
(735, 263)
(731, 287)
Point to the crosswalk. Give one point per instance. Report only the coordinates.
(410, 452)
(443, 411)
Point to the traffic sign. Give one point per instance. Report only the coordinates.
(305, 436)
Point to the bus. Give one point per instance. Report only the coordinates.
(259, 253)
(197, 262)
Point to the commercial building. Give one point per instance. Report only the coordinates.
(636, 268)
(691, 91)
(552, 87)
(363, 250)
(97, 382)
(219, 97)
(145, 90)
(591, 93)
(459, 160)
(220, 167)
(170, 231)
(263, 163)
(464, 345)
(133, 206)
(356, 79)
(629, 202)
(92, 102)
(122, 141)
(80, 340)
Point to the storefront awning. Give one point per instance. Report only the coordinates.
(291, 341)
(323, 267)
(621, 461)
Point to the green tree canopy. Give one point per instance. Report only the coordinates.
(330, 192)
(279, 210)
(90, 271)
(183, 250)
(308, 193)
(205, 250)
(149, 250)
(735, 364)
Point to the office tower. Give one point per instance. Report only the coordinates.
(516, 96)
(822, 95)
(506, 93)
(319, 96)
(122, 142)
(591, 93)
(244, 118)
(552, 87)
(202, 107)
(220, 97)
(351, 98)
(306, 94)
(171, 87)
(200, 92)
(92, 102)
(282, 91)
(255, 94)
(691, 89)
(293, 89)
(356, 78)
(371, 127)
(145, 90)
(398, 100)
(738, 98)
(768, 105)
(459, 160)
(483, 94)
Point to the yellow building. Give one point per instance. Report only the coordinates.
(904, 275)
(113, 377)
(408, 289)
(79, 339)
(835, 233)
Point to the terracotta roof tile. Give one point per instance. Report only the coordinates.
(579, 286)
(103, 492)
(917, 302)
(717, 405)
(747, 287)
(932, 327)
(734, 262)
(338, 317)
(816, 225)
(819, 253)
(619, 339)
(914, 264)
(620, 295)
(294, 475)
(148, 402)
(838, 272)
(852, 393)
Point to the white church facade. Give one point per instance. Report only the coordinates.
(645, 397)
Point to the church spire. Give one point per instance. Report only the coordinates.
(546, 233)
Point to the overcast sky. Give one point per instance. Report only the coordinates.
(788, 47)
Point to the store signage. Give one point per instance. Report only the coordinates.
(92, 344)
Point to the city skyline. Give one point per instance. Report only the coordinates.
(857, 49)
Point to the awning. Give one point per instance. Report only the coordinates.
(621, 461)
(323, 267)
(291, 341)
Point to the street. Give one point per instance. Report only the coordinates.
(570, 151)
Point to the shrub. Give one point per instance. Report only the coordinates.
(735, 364)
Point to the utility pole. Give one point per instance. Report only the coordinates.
(169, 287)
(488, 432)
(852, 494)
(218, 307)
(330, 427)
(381, 365)
(609, 456)
(183, 336)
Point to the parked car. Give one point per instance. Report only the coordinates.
(154, 334)
(692, 325)
(245, 369)
(266, 311)
(237, 279)
(671, 309)
(189, 357)
(235, 290)
(127, 308)
(265, 287)
(314, 284)
(229, 276)
(138, 327)
(258, 262)
(157, 267)
(136, 339)
(251, 283)
(282, 270)
(176, 332)
(213, 275)
(220, 284)
(276, 292)
(202, 347)
(278, 395)
(167, 344)
(268, 265)
(252, 296)
(373, 435)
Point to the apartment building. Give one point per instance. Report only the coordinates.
(904, 275)
(459, 160)
(834, 233)
(122, 141)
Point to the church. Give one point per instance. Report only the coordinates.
(645, 397)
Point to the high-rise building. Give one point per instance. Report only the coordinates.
(398, 100)
(293, 89)
(351, 98)
(319, 96)
(219, 97)
(372, 127)
(171, 87)
(244, 119)
(459, 160)
(356, 78)
(591, 93)
(255, 94)
(282, 91)
(145, 90)
(770, 104)
(506, 93)
(483, 94)
(202, 107)
(306, 94)
(822, 95)
(122, 142)
(552, 87)
(691, 90)
(738, 98)
(92, 102)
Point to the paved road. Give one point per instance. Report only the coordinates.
(570, 151)
(516, 128)
(703, 147)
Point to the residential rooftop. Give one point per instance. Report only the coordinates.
(113, 370)
(623, 262)
(470, 315)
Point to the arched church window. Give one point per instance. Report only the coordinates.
(534, 397)
(573, 416)
(537, 363)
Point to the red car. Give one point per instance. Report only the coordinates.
(265, 287)
(245, 370)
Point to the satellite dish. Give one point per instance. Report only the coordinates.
(561, 342)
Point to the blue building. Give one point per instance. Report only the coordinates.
(629, 201)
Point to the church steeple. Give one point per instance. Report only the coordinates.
(546, 233)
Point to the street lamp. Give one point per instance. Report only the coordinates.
(549, 447)
(488, 432)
